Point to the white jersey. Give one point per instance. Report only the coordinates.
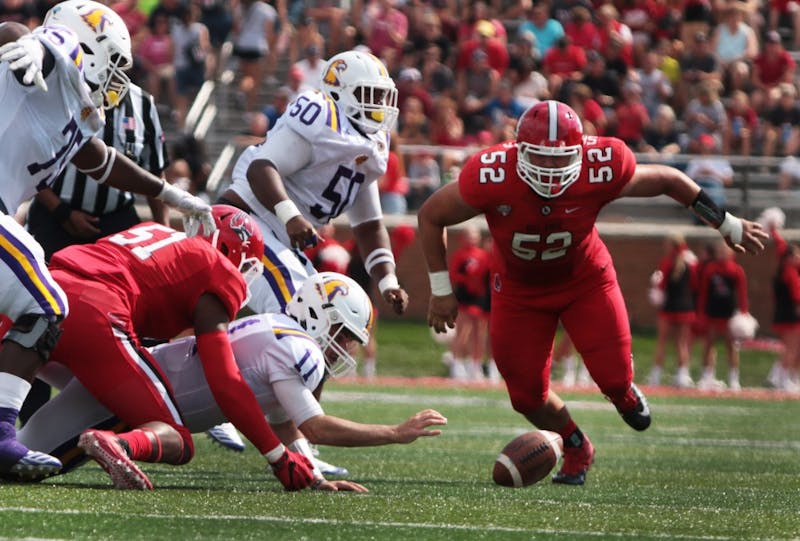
(268, 348)
(278, 360)
(342, 169)
(41, 131)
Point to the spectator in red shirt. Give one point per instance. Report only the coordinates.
(589, 111)
(409, 84)
(611, 29)
(786, 316)
(385, 27)
(774, 65)
(393, 185)
(562, 63)
(484, 38)
(784, 12)
(631, 116)
(581, 30)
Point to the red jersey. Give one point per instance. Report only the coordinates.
(539, 241)
(158, 273)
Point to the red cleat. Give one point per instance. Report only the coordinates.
(104, 448)
(577, 461)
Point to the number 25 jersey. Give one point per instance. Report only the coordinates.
(542, 242)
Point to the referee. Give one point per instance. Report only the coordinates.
(78, 210)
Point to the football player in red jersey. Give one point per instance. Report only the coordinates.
(540, 195)
(155, 282)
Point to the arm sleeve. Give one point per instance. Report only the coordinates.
(287, 150)
(297, 400)
(366, 207)
(234, 397)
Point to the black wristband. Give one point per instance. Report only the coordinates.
(61, 212)
(707, 210)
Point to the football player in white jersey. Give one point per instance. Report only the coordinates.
(320, 160)
(284, 359)
(54, 83)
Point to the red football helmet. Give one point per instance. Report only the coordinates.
(239, 239)
(549, 147)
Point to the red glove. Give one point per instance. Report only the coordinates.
(293, 470)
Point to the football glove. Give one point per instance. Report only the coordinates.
(25, 53)
(196, 212)
(293, 470)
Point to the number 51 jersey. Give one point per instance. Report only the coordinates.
(544, 242)
(343, 161)
(158, 274)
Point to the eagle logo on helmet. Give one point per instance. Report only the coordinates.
(333, 288)
(97, 19)
(238, 225)
(332, 75)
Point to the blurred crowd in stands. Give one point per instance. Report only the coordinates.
(666, 76)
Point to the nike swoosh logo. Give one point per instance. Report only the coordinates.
(570, 211)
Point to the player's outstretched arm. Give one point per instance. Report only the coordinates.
(376, 252)
(330, 430)
(444, 208)
(104, 164)
(649, 180)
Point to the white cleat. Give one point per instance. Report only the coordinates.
(34, 466)
(227, 436)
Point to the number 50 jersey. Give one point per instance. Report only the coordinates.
(343, 164)
(540, 241)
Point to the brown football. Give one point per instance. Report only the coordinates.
(527, 459)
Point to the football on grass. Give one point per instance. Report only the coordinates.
(527, 459)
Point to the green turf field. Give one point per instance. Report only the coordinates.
(710, 468)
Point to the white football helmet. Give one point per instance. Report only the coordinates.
(327, 305)
(362, 89)
(106, 46)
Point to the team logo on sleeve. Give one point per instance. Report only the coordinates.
(332, 75)
(504, 210)
(361, 159)
(97, 20)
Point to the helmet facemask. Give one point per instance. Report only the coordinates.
(560, 167)
(373, 108)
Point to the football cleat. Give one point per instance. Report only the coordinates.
(329, 469)
(104, 448)
(634, 409)
(227, 436)
(18, 463)
(577, 461)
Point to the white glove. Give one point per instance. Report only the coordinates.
(196, 212)
(25, 53)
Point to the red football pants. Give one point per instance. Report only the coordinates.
(523, 324)
(103, 351)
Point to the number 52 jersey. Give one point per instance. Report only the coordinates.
(544, 242)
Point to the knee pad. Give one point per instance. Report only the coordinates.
(37, 332)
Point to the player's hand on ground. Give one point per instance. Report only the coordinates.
(301, 233)
(82, 225)
(442, 312)
(293, 470)
(397, 298)
(753, 238)
(26, 53)
(338, 486)
(416, 426)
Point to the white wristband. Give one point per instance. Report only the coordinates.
(388, 282)
(731, 227)
(301, 445)
(286, 210)
(275, 454)
(440, 283)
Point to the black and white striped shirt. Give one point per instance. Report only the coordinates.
(134, 129)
